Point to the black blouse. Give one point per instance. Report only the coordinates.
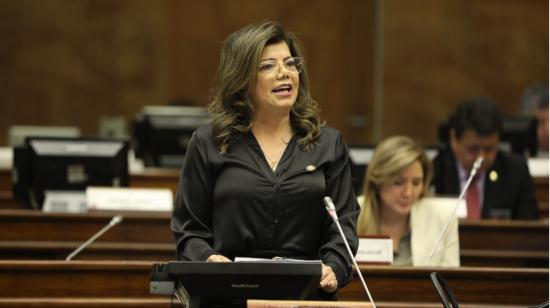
(235, 205)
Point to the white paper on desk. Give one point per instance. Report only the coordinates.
(64, 201)
(538, 166)
(450, 202)
(275, 259)
(6, 158)
(375, 250)
(129, 199)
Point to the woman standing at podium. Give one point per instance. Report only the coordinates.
(253, 181)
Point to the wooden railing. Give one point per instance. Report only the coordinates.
(130, 280)
(470, 285)
(504, 235)
(155, 227)
(27, 234)
(136, 227)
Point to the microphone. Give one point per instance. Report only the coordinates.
(115, 221)
(473, 172)
(331, 209)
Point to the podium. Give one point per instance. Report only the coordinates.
(206, 284)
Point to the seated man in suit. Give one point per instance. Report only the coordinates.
(503, 187)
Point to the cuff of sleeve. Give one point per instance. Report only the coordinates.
(207, 253)
(338, 268)
(195, 250)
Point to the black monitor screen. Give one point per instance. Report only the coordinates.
(163, 132)
(519, 134)
(359, 159)
(231, 283)
(68, 164)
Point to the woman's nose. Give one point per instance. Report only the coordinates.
(407, 190)
(282, 71)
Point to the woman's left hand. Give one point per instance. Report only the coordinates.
(328, 279)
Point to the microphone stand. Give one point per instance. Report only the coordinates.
(329, 205)
(473, 172)
(116, 220)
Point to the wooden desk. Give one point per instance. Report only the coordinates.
(5, 180)
(500, 258)
(91, 302)
(78, 284)
(504, 235)
(154, 227)
(541, 195)
(43, 279)
(34, 235)
(313, 304)
(29, 225)
(54, 250)
(156, 178)
(8, 202)
(483, 243)
(504, 243)
(304, 304)
(470, 285)
(123, 279)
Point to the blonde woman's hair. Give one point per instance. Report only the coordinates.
(390, 158)
(230, 105)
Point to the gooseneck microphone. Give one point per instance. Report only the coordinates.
(331, 209)
(473, 172)
(115, 221)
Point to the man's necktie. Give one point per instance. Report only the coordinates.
(472, 201)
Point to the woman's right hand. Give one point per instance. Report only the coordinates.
(217, 258)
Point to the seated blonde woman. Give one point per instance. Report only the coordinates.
(392, 203)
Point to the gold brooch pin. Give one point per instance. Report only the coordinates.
(310, 168)
(493, 176)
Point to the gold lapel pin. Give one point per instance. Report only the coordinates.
(493, 176)
(310, 168)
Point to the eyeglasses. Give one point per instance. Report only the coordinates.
(270, 67)
(475, 149)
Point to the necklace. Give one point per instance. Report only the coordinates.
(272, 162)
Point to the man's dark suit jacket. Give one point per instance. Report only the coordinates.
(510, 196)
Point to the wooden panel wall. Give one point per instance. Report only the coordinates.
(336, 35)
(69, 62)
(438, 53)
(65, 62)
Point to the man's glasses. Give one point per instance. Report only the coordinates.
(476, 149)
(270, 67)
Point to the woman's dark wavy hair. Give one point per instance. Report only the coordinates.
(230, 106)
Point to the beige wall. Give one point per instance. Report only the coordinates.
(69, 62)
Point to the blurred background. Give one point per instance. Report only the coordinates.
(377, 67)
